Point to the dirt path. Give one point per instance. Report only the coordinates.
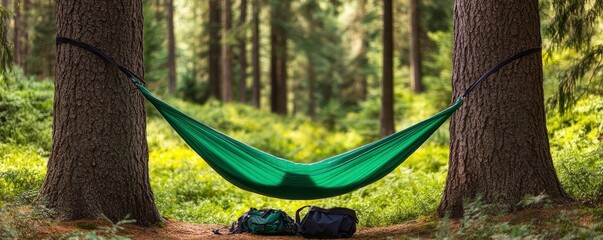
(183, 230)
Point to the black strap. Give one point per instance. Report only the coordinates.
(297, 219)
(499, 66)
(101, 54)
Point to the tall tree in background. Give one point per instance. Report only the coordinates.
(99, 159)
(499, 147)
(6, 54)
(25, 15)
(215, 49)
(278, 57)
(169, 5)
(386, 118)
(227, 93)
(416, 83)
(243, 52)
(255, 54)
(17, 33)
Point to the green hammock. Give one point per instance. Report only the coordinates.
(257, 171)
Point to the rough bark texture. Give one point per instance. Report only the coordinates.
(215, 49)
(278, 59)
(99, 159)
(255, 55)
(169, 5)
(243, 53)
(416, 83)
(499, 147)
(387, 82)
(227, 93)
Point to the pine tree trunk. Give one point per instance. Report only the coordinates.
(256, 54)
(387, 89)
(17, 34)
(499, 147)
(278, 59)
(243, 54)
(227, 93)
(25, 43)
(169, 5)
(415, 47)
(99, 159)
(215, 49)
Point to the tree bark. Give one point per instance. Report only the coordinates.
(278, 59)
(215, 49)
(17, 34)
(25, 44)
(99, 159)
(256, 54)
(243, 53)
(499, 147)
(227, 93)
(169, 5)
(387, 89)
(416, 83)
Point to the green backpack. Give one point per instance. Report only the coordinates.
(266, 222)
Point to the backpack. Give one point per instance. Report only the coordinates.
(266, 222)
(327, 223)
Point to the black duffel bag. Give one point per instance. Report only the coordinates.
(327, 223)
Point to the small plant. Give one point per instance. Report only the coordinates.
(19, 220)
(104, 233)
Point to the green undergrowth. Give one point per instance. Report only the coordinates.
(187, 189)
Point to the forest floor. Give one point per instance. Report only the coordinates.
(535, 221)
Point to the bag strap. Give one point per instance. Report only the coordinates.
(297, 219)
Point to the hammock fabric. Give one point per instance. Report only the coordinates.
(257, 171)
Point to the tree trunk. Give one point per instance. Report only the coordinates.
(99, 159)
(499, 147)
(227, 93)
(25, 44)
(256, 54)
(278, 59)
(169, 5)
(311, 80)
(416, 84)
(17, 34)
(387, 89)
(243, 54)
(215, 49)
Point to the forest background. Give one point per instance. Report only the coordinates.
(333, 72)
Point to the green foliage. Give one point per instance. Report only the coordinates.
(111, 232)
(22, 171)
(18, 221)
(576, 142)
(575, 25)
(26, 112)
(481, 222)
